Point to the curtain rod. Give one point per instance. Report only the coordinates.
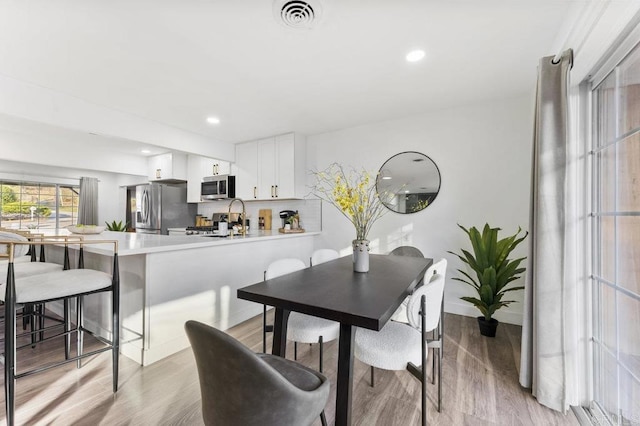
(36, 179)
(585, 24)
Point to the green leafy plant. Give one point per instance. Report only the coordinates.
(117, 226)
(492, 268)
(25, 209)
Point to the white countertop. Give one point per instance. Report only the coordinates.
(130, 243)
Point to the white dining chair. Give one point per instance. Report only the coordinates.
(436, 341)
(276, 269)
(401, 346)
(302, 328)
(323, 255)
(409, 251)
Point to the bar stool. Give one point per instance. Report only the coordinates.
(51, 286)
(26, 266)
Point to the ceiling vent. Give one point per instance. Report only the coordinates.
(297, 14)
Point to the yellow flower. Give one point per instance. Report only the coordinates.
(353, 194)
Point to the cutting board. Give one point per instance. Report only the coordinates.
(266, 214)
(290, 231)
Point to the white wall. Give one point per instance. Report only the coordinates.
(483, 152)
(111, 191)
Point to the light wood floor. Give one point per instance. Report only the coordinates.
(480, 386)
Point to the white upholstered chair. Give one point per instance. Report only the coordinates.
(66, 284)
(302, 328)
(398, 346)
(436, 341)
(323, 255)
(409, 251)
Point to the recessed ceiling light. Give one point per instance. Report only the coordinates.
(387, 178)
(213, 120)
(145, 151)
(415, 55)
(406, 192)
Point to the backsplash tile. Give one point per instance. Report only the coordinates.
(310, 211)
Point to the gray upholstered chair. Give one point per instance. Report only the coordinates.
(406, 251)
(240, 387)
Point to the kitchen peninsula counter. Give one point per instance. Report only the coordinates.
(130, 243)
(167, 280)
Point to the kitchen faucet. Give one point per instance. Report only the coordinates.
(244, 216)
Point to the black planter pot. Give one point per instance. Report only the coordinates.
(488, 328)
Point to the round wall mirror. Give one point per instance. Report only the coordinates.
(408, 182)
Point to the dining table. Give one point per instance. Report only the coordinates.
(332, 290)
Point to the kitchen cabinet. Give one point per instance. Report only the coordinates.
(271, 168)
(199, 167)
(247, 170)
(214, 167)
(167, 167)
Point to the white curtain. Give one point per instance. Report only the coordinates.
(550, 329)
(88, 203)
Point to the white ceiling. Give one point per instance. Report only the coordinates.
(178, 61)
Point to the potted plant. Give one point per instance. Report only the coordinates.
(117, 226)
(492, 272)
(354, 194)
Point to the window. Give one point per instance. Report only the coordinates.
(615, 216)
(37, 205)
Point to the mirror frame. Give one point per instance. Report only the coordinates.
(378, 177)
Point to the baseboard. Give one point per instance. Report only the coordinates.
(469, 310)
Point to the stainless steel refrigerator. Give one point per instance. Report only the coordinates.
(160, 206)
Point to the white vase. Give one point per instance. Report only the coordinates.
(360, 255)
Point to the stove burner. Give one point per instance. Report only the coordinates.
(198, 230)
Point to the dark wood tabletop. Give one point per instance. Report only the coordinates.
(334, 291)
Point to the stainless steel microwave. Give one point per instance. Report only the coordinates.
(218, 187)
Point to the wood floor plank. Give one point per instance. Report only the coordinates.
(480, 386)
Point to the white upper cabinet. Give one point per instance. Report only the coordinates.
(271, 168)
(170, 166)
(214, 167)
(290, 168)
(199, 167)
(246, 169)
(267, 168)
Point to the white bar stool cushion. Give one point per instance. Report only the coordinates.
(21, 259)
(27, 269)
(19, 250)
(57, 285)
(306, 328)
(390, 348)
